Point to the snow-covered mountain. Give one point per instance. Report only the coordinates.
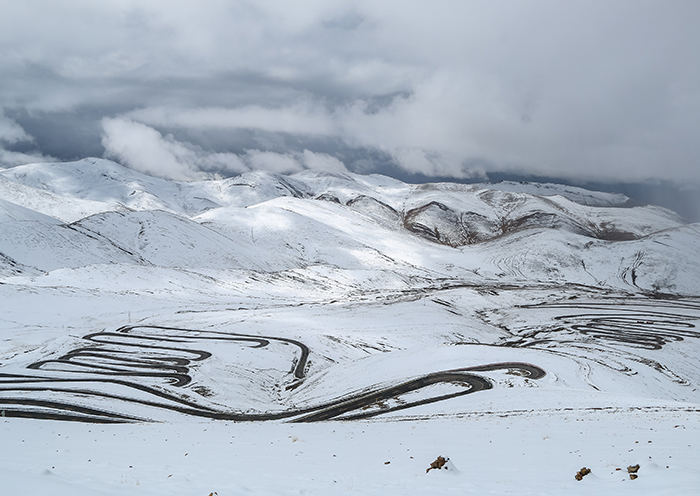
(95, 211)
(318, 296)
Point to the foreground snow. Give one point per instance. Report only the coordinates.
(530, 453)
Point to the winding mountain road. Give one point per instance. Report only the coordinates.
(153, 362)
(636, 322)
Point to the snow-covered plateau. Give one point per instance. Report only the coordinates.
(324, 333)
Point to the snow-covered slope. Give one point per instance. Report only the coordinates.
(260, 221)
(542, 315)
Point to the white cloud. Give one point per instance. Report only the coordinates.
(322, 162)
(220, 162)
(11, 132)
(10, 159)
(278, 163)
(145, 149)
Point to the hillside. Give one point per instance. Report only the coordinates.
(465, 320)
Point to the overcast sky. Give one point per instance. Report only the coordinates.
(606, 90)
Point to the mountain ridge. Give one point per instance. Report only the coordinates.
(265, 222)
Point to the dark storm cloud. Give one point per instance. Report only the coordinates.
(580, 90)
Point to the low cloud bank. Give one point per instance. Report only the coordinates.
(145, 149)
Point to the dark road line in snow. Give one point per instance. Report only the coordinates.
(461, 376)
(637, 323)
(144, 360)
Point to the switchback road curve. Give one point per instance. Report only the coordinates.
(634, 322)
(152, 363)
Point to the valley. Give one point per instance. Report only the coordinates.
(381, 315)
